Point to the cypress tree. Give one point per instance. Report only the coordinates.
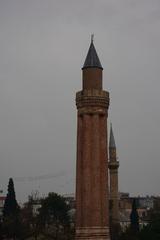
(134, 217)
(10, 205)
(11, 224)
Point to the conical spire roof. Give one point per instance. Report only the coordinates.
(112, 140)
(92, 59)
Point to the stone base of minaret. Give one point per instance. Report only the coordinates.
(93, 233)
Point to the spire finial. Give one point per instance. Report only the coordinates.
(92, 60)
(92, 38)
(111, 141)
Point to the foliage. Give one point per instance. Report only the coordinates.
(11, 222)
(132, 232)
(149, 232)
(52, 222)
(134, 218)
(129, 235)
(152, 230)
(11, 227)
(10, 206)
(29, 221)
(54, 217)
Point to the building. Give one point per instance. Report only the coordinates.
(2, 201)
(70, 200)
(92, 213)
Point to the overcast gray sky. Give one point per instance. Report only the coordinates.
(43, 45)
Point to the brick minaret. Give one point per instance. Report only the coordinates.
(113, 170)
(92, 216)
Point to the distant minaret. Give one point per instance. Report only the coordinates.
(92, 213)
(113, 172)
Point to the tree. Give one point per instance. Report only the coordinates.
(132, 232)
(54, 216)
(30, 217)
(29, 221)
(134, 217)
(11, 224)
(10, 205)
(152, 230)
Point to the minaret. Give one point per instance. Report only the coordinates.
(92, 214)
(113, 172)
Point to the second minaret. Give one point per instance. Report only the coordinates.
(113, 173)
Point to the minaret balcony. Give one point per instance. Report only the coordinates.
(113, 165)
